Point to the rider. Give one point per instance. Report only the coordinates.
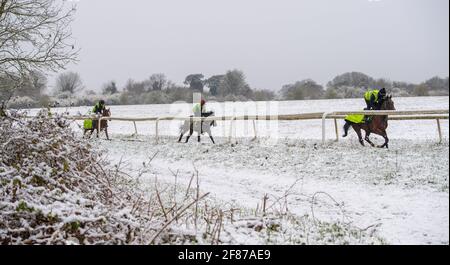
(98, 111)
(99, 107)
(374, 99)
(200, 111)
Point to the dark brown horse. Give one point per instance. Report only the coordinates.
(103, 124)
(377, 125)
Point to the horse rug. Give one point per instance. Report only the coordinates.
(355, 118)
(87, 124)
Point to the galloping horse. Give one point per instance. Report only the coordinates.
(103, 124)
(195, 126)
(378, 124)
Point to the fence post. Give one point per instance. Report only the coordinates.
(157, 129)
(324, 116)
(254, 129)
(234, 129)
(439, 130)
(99, 125)
(135, 128)
(336, 130)
(231, 129)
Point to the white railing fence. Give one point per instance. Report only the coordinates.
(392, 115)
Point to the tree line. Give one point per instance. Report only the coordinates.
(230, 86)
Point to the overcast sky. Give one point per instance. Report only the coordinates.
(274, 42)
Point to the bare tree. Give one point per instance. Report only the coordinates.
(69, 82)
(33, 85)
(195, 82)
(35, 35)
(133, 87)
(110, 88)
(214, 83)
(157, 82)
(305, 89)
(421, 90)
(234, 83)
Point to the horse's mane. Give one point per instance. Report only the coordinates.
(386, 101)
(106, 112)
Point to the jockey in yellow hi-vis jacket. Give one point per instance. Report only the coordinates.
(99, 107)
(374, 98)
(98, 110)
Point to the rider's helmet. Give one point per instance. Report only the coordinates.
(202, 102)
(102, 102)
(382, 93)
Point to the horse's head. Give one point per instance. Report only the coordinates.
(388, 104)
(106, 112)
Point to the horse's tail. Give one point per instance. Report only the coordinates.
(346, 127)
(184, 126)
(181, 127)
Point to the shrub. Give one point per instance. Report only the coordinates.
(55, 189)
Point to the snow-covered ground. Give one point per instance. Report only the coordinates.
(403, 190)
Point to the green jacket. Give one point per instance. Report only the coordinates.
(198, 109)
(98, 108)
(368, 95)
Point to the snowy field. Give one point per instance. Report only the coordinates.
(403, 190)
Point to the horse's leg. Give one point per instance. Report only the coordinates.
(382, 132)
(358, 132)
(386, 139)
(90, 133)
(346, 127)
(200, 132)
(181, 136)
(210, 137)
(191, 131)
(87, 133)
(189, 136)
(106, 132)
(367, 138)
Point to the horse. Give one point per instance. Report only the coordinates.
(103, 124)
(377, 125)
(195, 126)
